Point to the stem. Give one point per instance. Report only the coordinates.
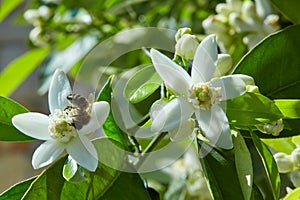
(149, 148)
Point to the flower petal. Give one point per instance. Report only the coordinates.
(231, 86)
(77, 150)
(174, 76)
(32, 124)
(46, 153)
(172, 115)
(214, 124)
(204, 63)
(184, 130)
(58, 91)
(100, 111)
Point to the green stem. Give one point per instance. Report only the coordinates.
(150, 148)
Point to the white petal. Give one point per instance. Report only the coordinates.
(184, 130)
(32, 124)
(204, 60)
(99, 114)
(46, 153)
(58, 91)
(231, 86)
(77, 150)
(172, 115)
(174, 76)
(214, 124)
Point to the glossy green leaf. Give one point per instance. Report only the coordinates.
(243, 164)
(6, 6)
(251, 109)
(142, 84)
(290, 108)
(281, 144)
(289, 8)
(73, 172)
(274, 64)
(110, 127)
(269, 165)
(219, 169)
(295, 194)
(8, 109)
(17, 191)
(19, 69)
(65, 59)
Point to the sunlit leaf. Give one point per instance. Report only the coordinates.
(281, 144)
(251, 109)
(269, 165)
(289, 8)
(219, 169)
(142, 84)
(19, 69)
(6, 6)
(8, 109)
(243, 164)
(295, 194)
(290, 108)
(274, 64)
(17, 191)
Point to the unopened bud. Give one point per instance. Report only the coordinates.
(273, 128)
(44, 12)
(295, 178)
(181, 32)
(32, 16)
(248, 9)
(296, 156)
(284, 162)
(224, 64)
(186, 46)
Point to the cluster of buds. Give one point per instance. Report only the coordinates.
(290, 163)
(73, 20)
(252, 21)
(187, 44)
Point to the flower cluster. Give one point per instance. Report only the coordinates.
(63, 130)
(290, 163)
(199, 93)
(253, 21)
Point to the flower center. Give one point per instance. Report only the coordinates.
(204, 96)
(61, 126)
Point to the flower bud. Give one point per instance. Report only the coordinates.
(296, 156)
(37, 38)
(224, 64)
(181, 32)
(295, 178)
(273, 128)
(271, 23)
(44, 12)
(186, 46)
(212, 25)
(284, 162)
(223, 9)
(239, 24)
(248, 9)
(32, 16)
(263, 8)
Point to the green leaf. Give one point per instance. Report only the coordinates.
(17, 191)
(281, 144)
(65, 60)
(110, 127)
(73, 172)
(243, 164)
(274, 64)
(8, 109)
(290, 108)
(219, 169)
(289, 8)
(295, 194)
(19, 69)
(269, 165)
(142, 84)
(7, 6)
(104, 183)
(251, 109)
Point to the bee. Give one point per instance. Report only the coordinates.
(80, 109)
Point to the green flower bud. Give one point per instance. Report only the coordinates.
(296, 156)
(295, 178)
(284, 162)
(181, 32)
(186, 46)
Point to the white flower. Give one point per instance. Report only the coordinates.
(59, 128)
(198, 93)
